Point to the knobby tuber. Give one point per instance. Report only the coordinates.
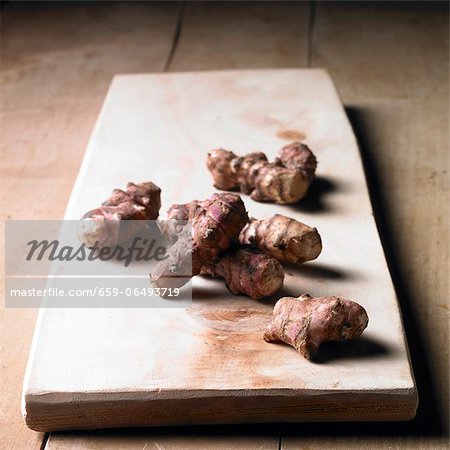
(216, 224)
(182, 212)
(298, 156)
(177, 217)
(103, 226)
(306, 322)
(248, 271)
(284, 181)
(284, 238)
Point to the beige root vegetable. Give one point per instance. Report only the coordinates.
(248, 271)
(104, 226)
(284, 181)
(178, 216)
(216, 224)
(182, 211)
(298, 156)
(306, 322)
(284, 238)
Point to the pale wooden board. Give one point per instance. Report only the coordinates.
(213, 366)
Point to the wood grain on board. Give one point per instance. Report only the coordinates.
(209, 364)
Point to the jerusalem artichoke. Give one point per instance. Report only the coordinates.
(248, 271)
(178, 216)
(182, 211)
(102, 226)
(284, 181)
(216, 224)
(306, 322)
(284, 238)
(298, 156)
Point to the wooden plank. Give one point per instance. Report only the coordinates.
(248, 437)
(57, 63)
(391, 66)
(14, 353)
(230, 35)
(225, 361)
(317, 440)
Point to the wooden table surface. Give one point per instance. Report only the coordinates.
(390, 64)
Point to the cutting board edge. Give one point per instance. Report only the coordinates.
(42, 413)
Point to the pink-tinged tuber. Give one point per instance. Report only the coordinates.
(284, 181)
(306, 322)
(298, 156)
(284, 238)
(216, 224)
(248, 271)
(102, 226)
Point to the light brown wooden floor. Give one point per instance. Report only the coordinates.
(390, 64)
